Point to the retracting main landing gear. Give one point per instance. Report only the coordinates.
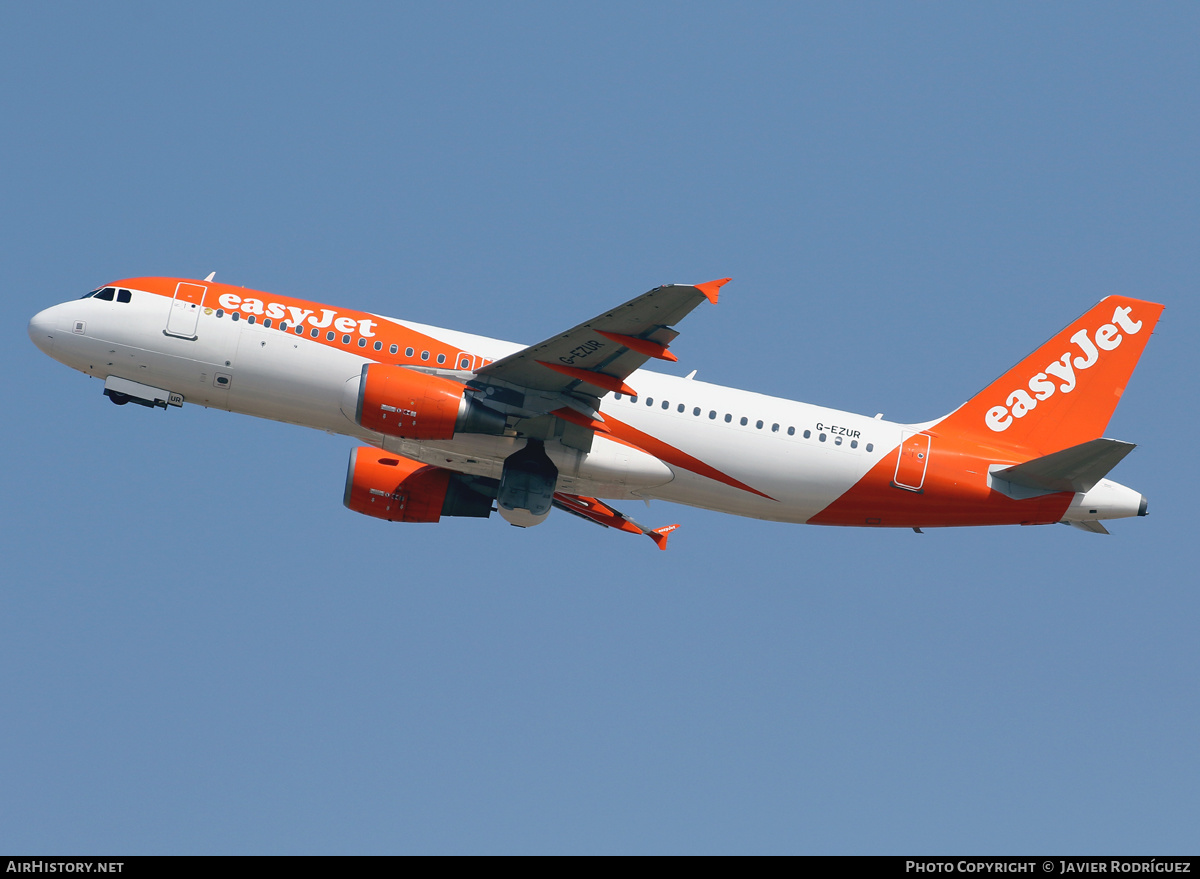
(527, 485)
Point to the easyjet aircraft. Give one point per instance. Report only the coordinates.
(461, 425)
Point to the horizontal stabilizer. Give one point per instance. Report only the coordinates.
(1077, 468)
(1089, 525)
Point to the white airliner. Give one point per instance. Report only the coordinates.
(463, 425)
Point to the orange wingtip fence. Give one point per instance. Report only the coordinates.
(711, 288)
(660, 535)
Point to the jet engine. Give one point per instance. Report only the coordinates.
(399, 401)
(398, 489)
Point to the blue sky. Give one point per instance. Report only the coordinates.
(202, 651)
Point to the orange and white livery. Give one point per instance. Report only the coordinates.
(454, 424)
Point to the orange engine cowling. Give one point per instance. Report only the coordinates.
(402, 402)
(399, 489)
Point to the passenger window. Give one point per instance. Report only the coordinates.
(712, 414)
(283, 326)
(744, 421)
(807, 434)
(441, 358)
(252, 319)
(758, 424)
(649, 401)
(633, 399)
(331, 335)
(728, 418)
(266, 323)
(666, 405)
(124, 296)
(774, 428)
(854, 444)
(237, 316)
(696, 411)
(791, 431)
(617, 395)
(299, 329)
(345, 340)
(464, 364)
(821, 437)
(393, 349)
(220, 313)
(424, 355)
(315, 333)
(870, 447)
(837, 440)
(379, 346)
(680, 408)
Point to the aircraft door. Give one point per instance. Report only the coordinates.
(913, 461)
(467, 360)
(185, 310)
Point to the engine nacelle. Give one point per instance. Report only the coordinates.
(398, 489)
(402, 402)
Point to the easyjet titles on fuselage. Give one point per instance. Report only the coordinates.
(297, 315)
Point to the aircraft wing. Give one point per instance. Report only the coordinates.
(593, 510)
(595, 357)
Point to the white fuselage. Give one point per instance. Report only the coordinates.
(751, 454)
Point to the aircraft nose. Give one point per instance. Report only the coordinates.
(42, 331)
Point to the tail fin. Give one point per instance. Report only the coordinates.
(1064, 393)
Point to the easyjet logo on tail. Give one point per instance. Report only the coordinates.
(1061, 376)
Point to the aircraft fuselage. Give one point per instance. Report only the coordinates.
(676, 439)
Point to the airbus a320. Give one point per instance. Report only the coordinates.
(455, 424)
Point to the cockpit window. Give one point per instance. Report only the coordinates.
(106, 294)
(91, 294)
(124, 296)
